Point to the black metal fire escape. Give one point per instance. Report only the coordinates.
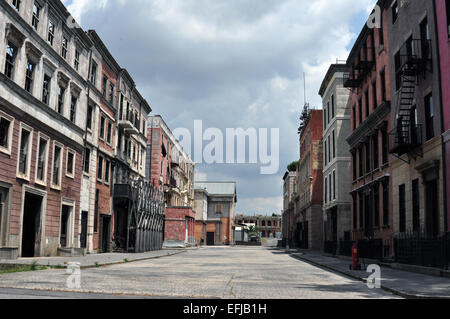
(411, 63)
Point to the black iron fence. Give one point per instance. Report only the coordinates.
(330, 247)
(345, 247)
(420, 250)
(371, 248)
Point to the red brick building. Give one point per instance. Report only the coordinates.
(308, 219)
(369, 82)
(179, 226)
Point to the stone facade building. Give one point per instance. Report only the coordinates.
(336, 159)
(43, 105)
(220, 200)
(370, 96)
(289, 189)
(417, 166)
(308, 218)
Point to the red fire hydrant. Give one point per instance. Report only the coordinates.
(355, 258)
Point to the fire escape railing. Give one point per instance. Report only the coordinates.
(411, 62)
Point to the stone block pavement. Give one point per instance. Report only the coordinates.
(402, 283)
(93, 260)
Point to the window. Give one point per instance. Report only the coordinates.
(218, 209)
(375, 150)
(11, 53)
(100, 168)
(57, 164)
(89, 117)
(354, 166)
(70, 163)
(64, 47)
(107, 168)
(51, 32)
(76, 63)
(361, 210)
(325, 149)
(73, 109)
(374, 94)
(36, 13)
(429, 116)
(111, 93)
(29, 77)
(398, 70)
(328, 113)
(402, 208)
(385, 146)
(368, 168)
(46, 90)
(355, 212)
(87, 160)
(333, 114)
(93, 77)
(102, 128)
(334, 144)
(42, 155)
(394, 12)
(330, 182)
(383, 85)
(360, 111)
(61, 94)
(119, 141)
(354, 116)
(97, 197)
(360, 158)
(367, 103)
(424, 30)
(16, 4)
(381, 30)
(385, 204)
(376, 205)
(108, 136)
(334, 185)
(121, 107)
(6, 131)
(329, 149)
(104, 86)
(326, 190)
(416, 205)
(23, 167)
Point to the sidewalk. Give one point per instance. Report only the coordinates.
(94, 260)
(403, 283)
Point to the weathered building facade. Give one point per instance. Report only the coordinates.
(417, 166)
(370, 101)
(289, 189)
(308, 218)
(172, 171)
(220, 201)
(43, 104)
(336, 158)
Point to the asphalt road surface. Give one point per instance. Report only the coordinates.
(210, 272)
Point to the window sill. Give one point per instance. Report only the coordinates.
(70, 176)
(40, 183)
(23, 177)
(86, 174)
(55, 187)
(5, 151)
(99, 181)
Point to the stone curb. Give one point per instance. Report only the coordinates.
(100, 265)
(348, 274)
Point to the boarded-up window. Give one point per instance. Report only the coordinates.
(218, 209)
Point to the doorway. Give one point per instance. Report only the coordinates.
(432, 209)
(84, 229)
(121, 226)
(105, 224)
(31, 225)
(210, 239)
(3, 210)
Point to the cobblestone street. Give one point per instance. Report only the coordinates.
(212, 272)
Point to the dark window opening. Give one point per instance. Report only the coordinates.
(402, 208)
(416, 205)
(429, 116)
(29, 77)
(11, 53)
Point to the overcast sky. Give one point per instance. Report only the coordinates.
(231, 64)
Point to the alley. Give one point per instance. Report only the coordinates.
(211, 272)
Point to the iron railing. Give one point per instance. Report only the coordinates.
(371, 248)
(421, 250)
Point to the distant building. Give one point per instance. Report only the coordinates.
(289, 194)
(336, 158)
(308, 219)
(215, 201)
(268, 226)
(172, 171)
